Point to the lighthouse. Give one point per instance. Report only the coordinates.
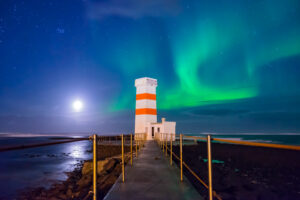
(146, 112)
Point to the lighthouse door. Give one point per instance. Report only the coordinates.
(152, 131)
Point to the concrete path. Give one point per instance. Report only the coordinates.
(152, 177)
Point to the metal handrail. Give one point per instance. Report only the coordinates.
(94, 167)
(260, 144)
(123, 167)
(139, 141)
(196, 176)
(195, 137)
(212, 193)
(163, 144)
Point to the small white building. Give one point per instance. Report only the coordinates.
(166, 128)
(146, 112)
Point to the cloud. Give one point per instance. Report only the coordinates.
(134, 9)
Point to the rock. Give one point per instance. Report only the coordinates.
(62, 196)
(85, 181)
(77, 194)
(69, 193)
(88, 167)
(100, 166)
(110, 165)
(70, 187)
(54, 198)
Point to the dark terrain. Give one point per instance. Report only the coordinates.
(245, 172)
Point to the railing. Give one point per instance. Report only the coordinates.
(139, 142)
(163, 138)
(139, 139)
(165, 141)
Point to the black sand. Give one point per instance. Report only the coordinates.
(247, 172)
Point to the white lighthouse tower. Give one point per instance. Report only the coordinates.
(145, 112)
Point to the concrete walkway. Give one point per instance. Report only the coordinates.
(152, 177)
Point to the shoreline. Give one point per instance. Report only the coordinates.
(10, 148)
(79, 181)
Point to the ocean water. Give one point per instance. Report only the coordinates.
(288, 139)
(40, 166)
(276, 139)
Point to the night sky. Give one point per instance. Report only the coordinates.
(222, 66)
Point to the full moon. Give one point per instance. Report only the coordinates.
(77, 105)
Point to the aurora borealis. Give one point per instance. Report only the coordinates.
(229, 66)
(213, 53)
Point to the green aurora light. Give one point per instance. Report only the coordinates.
(205, 54)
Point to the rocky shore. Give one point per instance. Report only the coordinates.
(245, 172)
(79, 181)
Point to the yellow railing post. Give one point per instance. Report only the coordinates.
(136, 150)
(94, 167)
(123, 169)
(131, 148)
(171, 150)
(163, 143)
(181, 171)
(160, 140)
(209, 162)
(139, 142)
(166, 144)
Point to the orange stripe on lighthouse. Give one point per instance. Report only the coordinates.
(145, 111)
(146, 96)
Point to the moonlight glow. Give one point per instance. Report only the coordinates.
(77, 105)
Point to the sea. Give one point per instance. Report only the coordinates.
(286, 139)
(37, 167)
(43, 166)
